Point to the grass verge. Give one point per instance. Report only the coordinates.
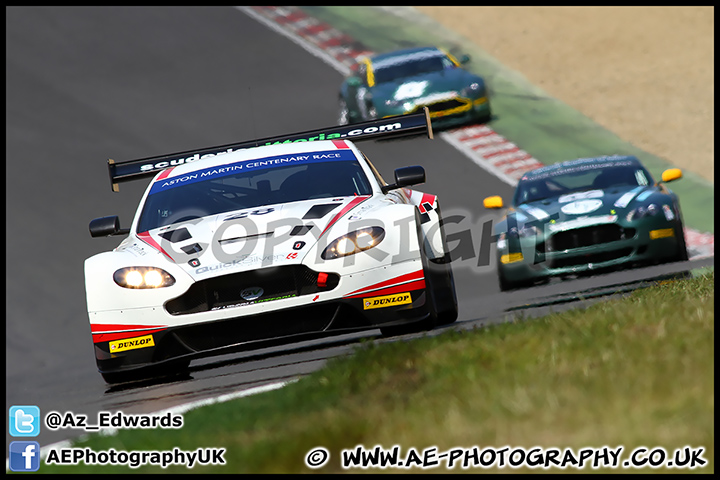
(633, 372)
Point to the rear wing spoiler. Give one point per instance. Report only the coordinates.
(386, 128)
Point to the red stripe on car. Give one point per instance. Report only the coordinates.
(108, 333)
(402, 280)
(145, 237)
(402, 288)
(427, 199)
(165, 174)
(340, 144)
(353, 203)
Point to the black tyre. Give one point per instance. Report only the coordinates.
(682, 253)
(438, 273)
(425, 324)
(485, 118)
(439, 290)
(506, 284)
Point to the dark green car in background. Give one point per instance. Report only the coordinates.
(405, 81)
(587, 215)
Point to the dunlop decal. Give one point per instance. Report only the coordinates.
(131, 343)
(386, 301)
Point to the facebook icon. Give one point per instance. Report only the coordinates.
(24, 456)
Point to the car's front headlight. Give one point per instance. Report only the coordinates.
(502, 240)
(522, 232)
(406, 105)
(528, 231)
(643, 211)
(471, 89)
(355, 242)
(143, 277)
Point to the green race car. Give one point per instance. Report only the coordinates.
(584, 216)
(405, 81)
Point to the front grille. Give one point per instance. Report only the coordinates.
(587, 236)
(275, 324)
(225, 290)
(590, 258)
(446, 105)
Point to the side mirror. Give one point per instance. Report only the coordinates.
(107, 226)
(464, 59)
(493, 202)
(405, 177)
(671, 174)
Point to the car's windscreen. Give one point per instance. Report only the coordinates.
(394, 70)
(588, 177)
(250, 188)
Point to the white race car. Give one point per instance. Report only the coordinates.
(275, 240)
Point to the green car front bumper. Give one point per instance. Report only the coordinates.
(587, 250)
(453, 112)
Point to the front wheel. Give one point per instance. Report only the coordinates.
(682, 253)
(440, 281)
(506, 284)
(427, 323)
(440, 293)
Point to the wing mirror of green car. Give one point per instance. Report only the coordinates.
(671, 174)
(493, 202)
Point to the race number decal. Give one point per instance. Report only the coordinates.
(410, 90)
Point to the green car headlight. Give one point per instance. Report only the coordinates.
(528, 231)
(143, 277)
(502, 240)
(640, 212)
(355, 242)
(471, 90)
